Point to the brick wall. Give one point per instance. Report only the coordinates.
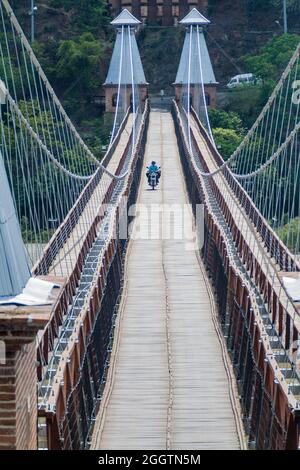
(166, 12)
(210, 94)
(18, 398)
(112, 91)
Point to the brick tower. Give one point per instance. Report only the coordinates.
(120, 71)
(195, 19)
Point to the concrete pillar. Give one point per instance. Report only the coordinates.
(18, 373)
(18, 380)
(111, 95)
(18, 402)
(210, 92)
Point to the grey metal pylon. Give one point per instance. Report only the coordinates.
(125, 19)
(14, 268)
(194, 18)
(208, 73)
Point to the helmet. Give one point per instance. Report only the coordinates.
(153, 163)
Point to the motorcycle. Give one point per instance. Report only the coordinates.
(153, 179)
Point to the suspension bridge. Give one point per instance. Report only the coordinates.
(164, 319)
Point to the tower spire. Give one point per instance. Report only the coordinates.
(125, 64)
(194, 17)
(125, 18)
(195, 64)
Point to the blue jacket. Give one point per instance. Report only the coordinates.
(153, 168)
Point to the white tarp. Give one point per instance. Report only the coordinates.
(36, 292)
(293, 287)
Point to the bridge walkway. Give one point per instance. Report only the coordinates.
(250, 233)
(66, 258)
(169, 385)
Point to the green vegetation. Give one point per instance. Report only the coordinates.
(74, 48)
(273, 57)
(91, 14)
(227, 140)
(228, 131)
(293, 6)
(243, 108)
(30, 236)
(269, 63)
(231, 120)
(289, 234)
(160, 52)
(26, 163)
(74, 44)
(84, 54)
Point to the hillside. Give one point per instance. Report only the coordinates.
(74, 42)
(237, 28)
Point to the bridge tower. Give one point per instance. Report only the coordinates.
(120, 70)
(18, 329)
(190, 61)
(14, 272)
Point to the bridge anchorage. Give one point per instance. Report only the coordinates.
(189, 341)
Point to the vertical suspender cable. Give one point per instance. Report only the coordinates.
(133, 93)
(119, 89)
(202, 86)
(189, 90)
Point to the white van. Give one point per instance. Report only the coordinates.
(243, 79)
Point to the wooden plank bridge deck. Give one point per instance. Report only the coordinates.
(65, 260)
(169, 385)
(251, 235)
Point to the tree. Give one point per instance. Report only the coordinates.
(248, 101)
(268, 64)
(230, 120)
(289, 234)
(88, 13)
(273, 58)
(228, 130)
(293, 6)
(26, 163)
(227, 140)
(80, 58)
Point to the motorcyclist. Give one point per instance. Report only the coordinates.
(153, 168)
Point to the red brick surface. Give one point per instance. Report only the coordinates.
(18, 399)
